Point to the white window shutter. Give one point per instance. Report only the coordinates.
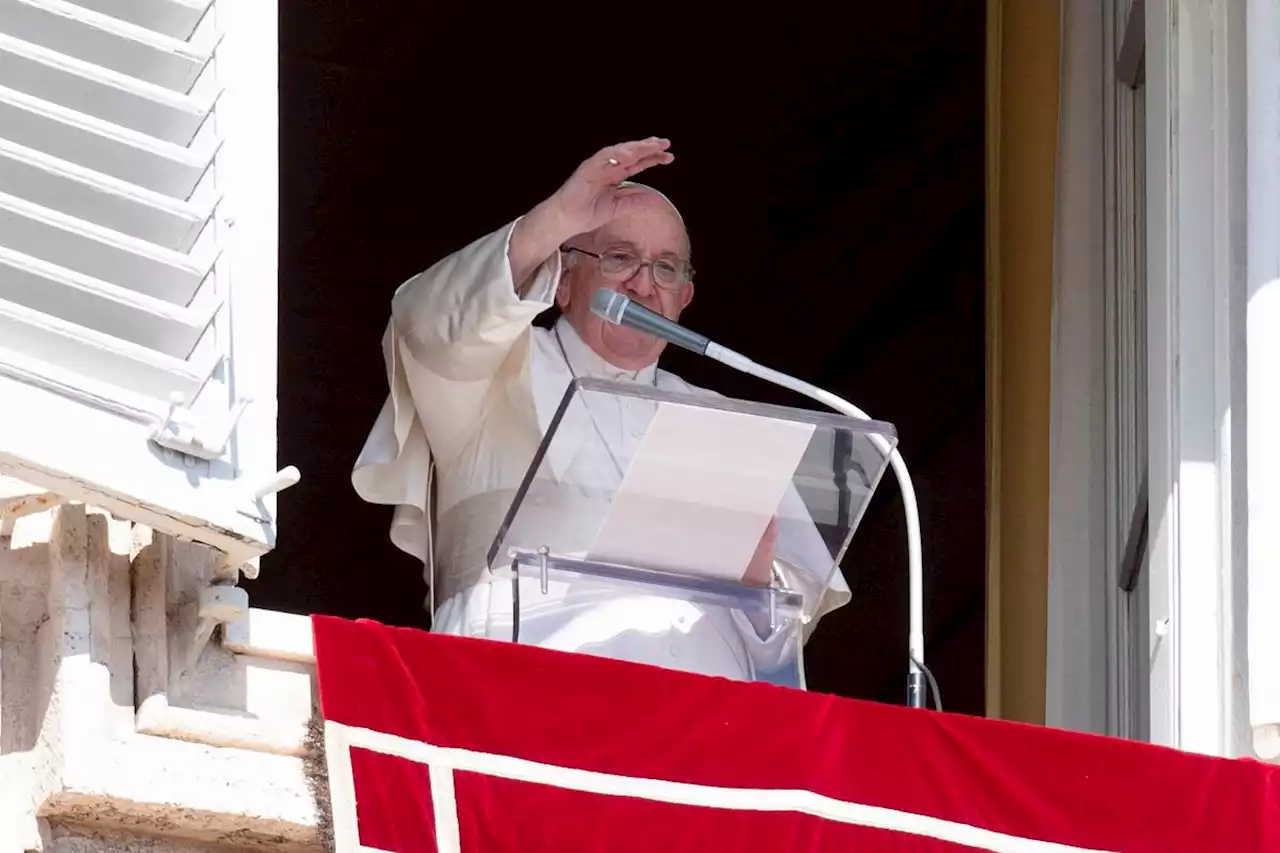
(138, 260)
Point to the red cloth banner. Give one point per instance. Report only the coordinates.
(441, 744)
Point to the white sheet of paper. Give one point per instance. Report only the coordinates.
(700, 491)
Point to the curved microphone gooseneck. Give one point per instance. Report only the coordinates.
(616, 308)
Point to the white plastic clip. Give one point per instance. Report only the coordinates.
(178, 432)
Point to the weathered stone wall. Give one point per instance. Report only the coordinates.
(121, 727)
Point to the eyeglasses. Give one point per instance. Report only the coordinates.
(621, 265)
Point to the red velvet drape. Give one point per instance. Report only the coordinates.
(929, 777)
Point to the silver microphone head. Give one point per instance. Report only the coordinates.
(609, 305)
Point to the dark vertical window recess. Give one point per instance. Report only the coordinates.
(829, 162)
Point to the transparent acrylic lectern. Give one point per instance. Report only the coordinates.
(637, 493)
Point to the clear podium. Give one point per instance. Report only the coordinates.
(650, 518)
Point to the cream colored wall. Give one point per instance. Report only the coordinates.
(1022, 118)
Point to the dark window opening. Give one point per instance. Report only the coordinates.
(830, 167)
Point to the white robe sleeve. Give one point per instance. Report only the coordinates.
(454, 330)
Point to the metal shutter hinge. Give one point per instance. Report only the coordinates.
(179, 432)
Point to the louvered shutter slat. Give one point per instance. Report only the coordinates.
(100, 252)
(100, 92)
(150, 163)
(176, 18)
(89, 302)
(85, 194)
(102, 208)
(109, 42)
(120, 265)
(97, 356)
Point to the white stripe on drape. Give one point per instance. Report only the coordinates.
(677, 793)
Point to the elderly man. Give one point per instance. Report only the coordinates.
(474, 386)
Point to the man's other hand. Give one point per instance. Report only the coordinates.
(760, 569)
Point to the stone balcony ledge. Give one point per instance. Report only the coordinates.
(143, 706)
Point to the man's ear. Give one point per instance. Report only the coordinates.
(687, 296)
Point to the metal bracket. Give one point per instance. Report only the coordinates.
(277, 482)
(179, 432)
(265, 488)
(216, 605)
(257, 491)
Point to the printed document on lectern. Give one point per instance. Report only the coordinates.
(700, 491)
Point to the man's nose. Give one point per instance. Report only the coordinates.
(642, 283)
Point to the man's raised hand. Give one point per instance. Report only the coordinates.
(591, 196)
(589, 199)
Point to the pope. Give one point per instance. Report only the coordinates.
(474, 386)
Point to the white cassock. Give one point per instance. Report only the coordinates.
(473, 382)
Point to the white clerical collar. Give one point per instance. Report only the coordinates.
(584, 361)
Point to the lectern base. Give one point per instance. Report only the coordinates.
(780, 607)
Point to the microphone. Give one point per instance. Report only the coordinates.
(616, 308)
